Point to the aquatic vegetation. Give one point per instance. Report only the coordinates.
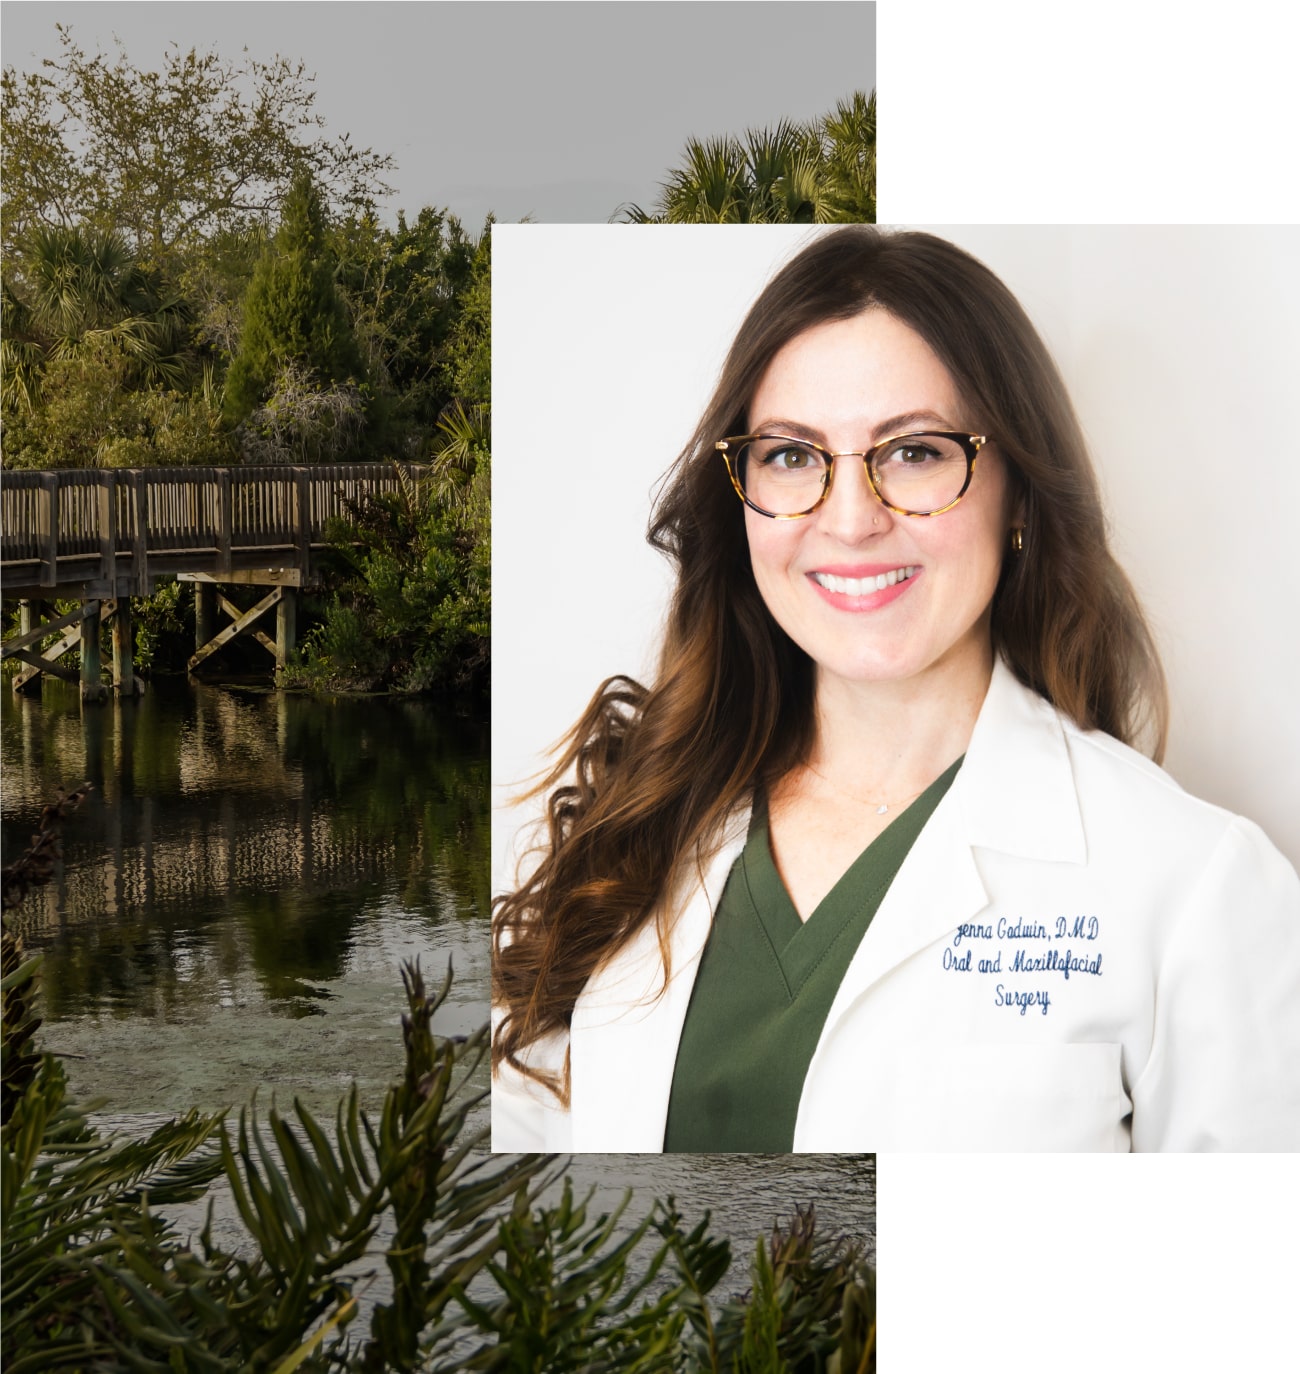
(484, 1268)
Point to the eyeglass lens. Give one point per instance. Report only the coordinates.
(918, 473)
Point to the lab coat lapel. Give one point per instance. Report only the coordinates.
(627, 1024)
(1014, 793)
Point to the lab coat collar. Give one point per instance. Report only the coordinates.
(1014, 793)
(1015, 790)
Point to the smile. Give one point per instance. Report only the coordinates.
(863, 586)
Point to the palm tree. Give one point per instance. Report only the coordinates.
(818, 173)
(77, 291)
(850, 133)
(461, 449)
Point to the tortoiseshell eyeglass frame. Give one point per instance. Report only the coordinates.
(970, 444)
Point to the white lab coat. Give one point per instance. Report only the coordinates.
(1075, 955)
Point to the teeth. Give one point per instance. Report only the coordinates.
(863, 586)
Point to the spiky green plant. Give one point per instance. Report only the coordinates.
(811, 1308)
(97, 1274)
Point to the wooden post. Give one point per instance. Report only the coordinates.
(225, 527)
(124, 684)
(286, 626)
(107, 521)
(140, 534)
(30, 613)
(205, 613)
(92, 689)
(302, 521)
(50, 528)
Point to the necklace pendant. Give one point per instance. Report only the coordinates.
(882, 809)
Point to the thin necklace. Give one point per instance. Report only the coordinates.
(882, 807)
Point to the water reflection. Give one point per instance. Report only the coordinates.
(245, 856)
(238, 892)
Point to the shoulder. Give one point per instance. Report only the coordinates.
(1128, 799)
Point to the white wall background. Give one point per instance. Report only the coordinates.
(1180, 347)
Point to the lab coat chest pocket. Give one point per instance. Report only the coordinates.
(1008, 1097)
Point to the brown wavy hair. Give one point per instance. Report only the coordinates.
(648, 777)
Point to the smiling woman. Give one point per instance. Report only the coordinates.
(876, 860)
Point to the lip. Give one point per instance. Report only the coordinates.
(860, 569)
(871, 601)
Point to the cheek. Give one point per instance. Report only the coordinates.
(773, 545)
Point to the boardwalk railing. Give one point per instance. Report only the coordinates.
(123, 528)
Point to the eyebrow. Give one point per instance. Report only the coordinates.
(895, 424)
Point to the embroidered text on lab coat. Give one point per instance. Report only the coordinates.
(1025, 947)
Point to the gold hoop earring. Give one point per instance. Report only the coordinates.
(1017, 540)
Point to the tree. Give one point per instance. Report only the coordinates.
(74, 292)
(294, 316)
(468, 363)
(850, 132)
(97, 363)
(167, 157)
(818, 173)
(406, 288)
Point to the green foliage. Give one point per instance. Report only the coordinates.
(567, 1299)
(164, 627)
(819, 173)
(468, 360)
(406, 289)
(170, 157)
(564, 1298)
(293, 315)
(98, 368)
(97, 1275)
(410, 604)
(811, 1309)
(91, 416)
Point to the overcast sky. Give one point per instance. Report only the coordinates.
(562, 111)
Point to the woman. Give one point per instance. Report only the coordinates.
(873, 863)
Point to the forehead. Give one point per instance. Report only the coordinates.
(855, 372)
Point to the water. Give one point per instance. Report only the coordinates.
(237, 895)
(240, 888)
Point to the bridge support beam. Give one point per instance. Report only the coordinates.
(125, 682)
(286, 626)
(30, 615)
(205, 613)
(92, 687)
(24, 646)
(243, 621)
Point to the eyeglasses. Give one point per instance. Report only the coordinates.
(910, 474)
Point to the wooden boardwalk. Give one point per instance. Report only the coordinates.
(116, 532)
(102, 536)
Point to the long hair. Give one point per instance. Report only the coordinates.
(649, 776)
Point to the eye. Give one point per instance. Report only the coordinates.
(911, 454)
(783, 455)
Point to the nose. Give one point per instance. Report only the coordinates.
(851, 513)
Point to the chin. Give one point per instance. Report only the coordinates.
(874, 667)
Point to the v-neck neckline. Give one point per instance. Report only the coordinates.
(798, 946)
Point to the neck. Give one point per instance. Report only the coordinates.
(891, 739)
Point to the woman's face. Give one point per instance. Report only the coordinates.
(847, 385)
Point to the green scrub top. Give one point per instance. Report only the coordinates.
(765, 985)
